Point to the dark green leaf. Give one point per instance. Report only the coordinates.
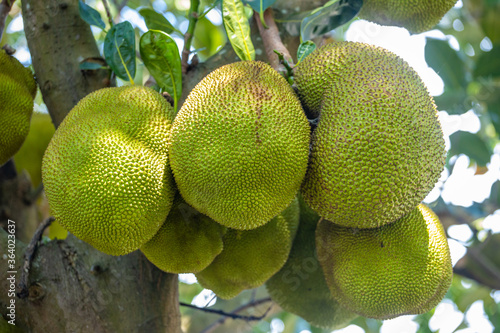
(305, 49)
(161, 57)
(259, 5)
(488, 63)
(332, 15)
(119, 50)
(446, 62)
(89, 65)
(453, 101)
(237, 29)
(156, 21)
(471, 145)
(90, 15)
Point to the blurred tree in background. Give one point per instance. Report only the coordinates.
(464, 51)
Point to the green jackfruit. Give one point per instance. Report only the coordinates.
(398, 269)
(17, 91)
(250, 257)
(415, 15)
(239, 145)
(106, 171)
(378, 148)
(300, 286)
(187, 242)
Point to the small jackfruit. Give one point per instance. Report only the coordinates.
(398, 269)
(250, 257)
(414, 15)
(378, 148)
(17, 91)
(106, 171)
(239, 145)
(187, 242)
(300, 286)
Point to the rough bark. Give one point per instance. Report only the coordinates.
(59, 40)
(74, 288)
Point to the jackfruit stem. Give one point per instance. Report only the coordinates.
(108, 12)
(272, 40)
(5, 7)
(188, 37)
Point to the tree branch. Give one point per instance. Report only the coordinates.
(251, 304)
(5, 7)
(188, 37)
(30, 254)
(272, 40)
(108, 12)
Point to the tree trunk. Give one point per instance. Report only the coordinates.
(72, 286)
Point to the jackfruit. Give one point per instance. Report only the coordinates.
(300, 286)
(17, 91)
(378, 147)
(239, 145)
(106, 171)
(414, 15)
(398, 269)
(250, 257)
(187, 242)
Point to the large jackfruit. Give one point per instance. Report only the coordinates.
(401, 268)
(415, 15)
(300, 286)
(239, 145)
(250, 257)
(378, 148)
(17, 91)
(106, 171)
(187, 242)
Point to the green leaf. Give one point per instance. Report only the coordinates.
(119, 50)
(332, 15)
(488, 64)
(237, 29)
(471, 145)
(156, 21)
(453, 101)
(305, 49)
(446, 62)
(259, 5)
(161, 57)
(90, 15)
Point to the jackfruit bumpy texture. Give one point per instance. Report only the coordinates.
(106, 171)
(300, 286)
(240, 144)
(187, 242)
(17, 91)
(250, 257)
(398, 269)
(415, 15)
(378, 147)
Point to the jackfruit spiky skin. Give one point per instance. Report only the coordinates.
(106, 171)
(187, 242)
(398, 269)
(378, 148)
(300, 286)
(17, 90)
(239, 145)
(250, 257)
(414, 15)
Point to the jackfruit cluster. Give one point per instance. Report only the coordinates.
(17, 91)
(414, 15)
(325, 210)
